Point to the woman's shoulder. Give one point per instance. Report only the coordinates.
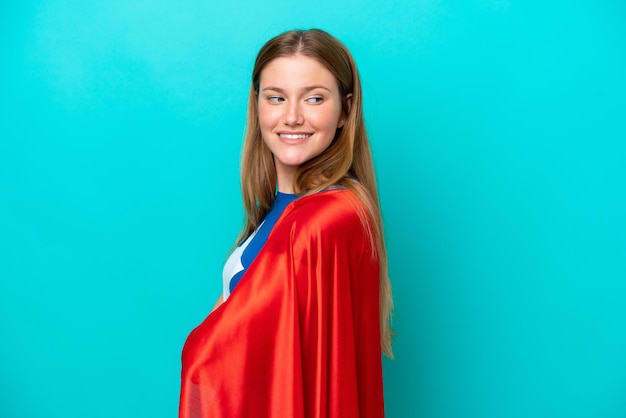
(337, 200)
(335, 210)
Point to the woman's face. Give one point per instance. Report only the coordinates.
(299, 112)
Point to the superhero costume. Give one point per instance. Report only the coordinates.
(300, 335)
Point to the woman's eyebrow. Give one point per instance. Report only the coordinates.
(305, 89)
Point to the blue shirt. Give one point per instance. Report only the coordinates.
(243, 256)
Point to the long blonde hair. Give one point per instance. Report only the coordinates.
(347, 162)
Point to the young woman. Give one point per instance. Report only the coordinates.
(304, 316)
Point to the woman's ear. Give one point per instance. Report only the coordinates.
(345, 114)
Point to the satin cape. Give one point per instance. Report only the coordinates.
(300, 335)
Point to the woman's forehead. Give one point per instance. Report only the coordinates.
(296, 71)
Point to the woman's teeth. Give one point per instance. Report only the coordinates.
(294, 136)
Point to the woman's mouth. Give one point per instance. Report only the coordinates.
(294, 136)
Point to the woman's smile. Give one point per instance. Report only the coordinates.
(294, 138)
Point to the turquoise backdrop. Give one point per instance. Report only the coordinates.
(498, 128)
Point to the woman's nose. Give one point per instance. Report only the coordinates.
(293, 115)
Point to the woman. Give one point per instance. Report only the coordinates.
(307, 299)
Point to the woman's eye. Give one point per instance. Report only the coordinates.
(315, 99)
(275, 99)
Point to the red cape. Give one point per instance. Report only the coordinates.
(300, 335)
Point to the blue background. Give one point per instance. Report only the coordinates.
(498, 129)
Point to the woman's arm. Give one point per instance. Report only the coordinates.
(218, 302)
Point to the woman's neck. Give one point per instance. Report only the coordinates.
(284, 180)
